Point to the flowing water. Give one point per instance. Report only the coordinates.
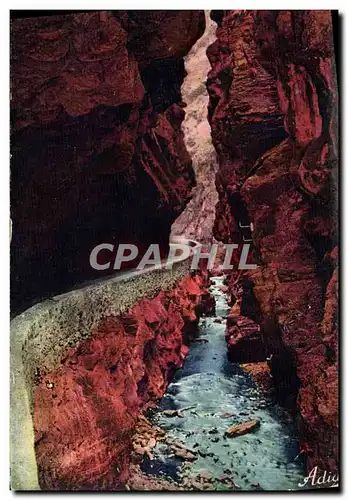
(216, 394)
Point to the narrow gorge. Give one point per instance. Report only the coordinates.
(196, 221)
(142, 127)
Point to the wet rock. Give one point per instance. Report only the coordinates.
(224, 478)
(145, 450)
(185, 454)
(205, 475)
(213, 431)
(180, 450)
(244, 339)
(177, 413)
(146, 437)
(196, 484)
(218, 319)
(261, 374)
(171, 413)
(227, 415)
(243, 428)
(140, 481)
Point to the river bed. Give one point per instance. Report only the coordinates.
(213, 395)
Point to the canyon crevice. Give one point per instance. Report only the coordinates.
(197, 220)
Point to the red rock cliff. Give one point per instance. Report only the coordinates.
(273, 113)
(97, 151)
(85, 412)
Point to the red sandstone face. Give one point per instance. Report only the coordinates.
(85, 411)
(273, 102)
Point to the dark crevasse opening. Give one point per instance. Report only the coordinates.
(97, 154)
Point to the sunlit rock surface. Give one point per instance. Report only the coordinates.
(197, 220)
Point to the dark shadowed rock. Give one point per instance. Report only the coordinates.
(97, 150)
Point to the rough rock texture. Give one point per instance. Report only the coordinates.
(97, 150)
(196, 221)
(85, 412)
(243, 428)
(261, 375)
(244, 340)
(273, 114)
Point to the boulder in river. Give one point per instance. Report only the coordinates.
(227, 415)
(206, 475)
(243, 428)
(183, 453)
(171, 413)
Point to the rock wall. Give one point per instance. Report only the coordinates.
(42, 335)
(85, 412)
(97, 150)
(273, 114)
